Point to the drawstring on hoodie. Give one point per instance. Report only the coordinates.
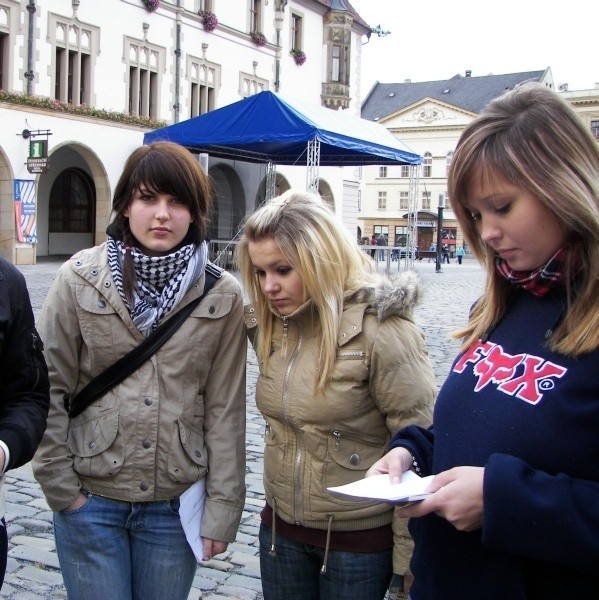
(273, 551)
(323, 569)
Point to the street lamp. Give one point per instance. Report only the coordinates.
(440, 208)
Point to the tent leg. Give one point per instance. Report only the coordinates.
(271, 181)
(313, 164)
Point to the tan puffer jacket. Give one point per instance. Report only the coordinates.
(382, 381)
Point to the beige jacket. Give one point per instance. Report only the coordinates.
(180, 417)
(382, 381)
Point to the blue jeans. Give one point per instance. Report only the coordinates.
(124, 551)
(294, 572)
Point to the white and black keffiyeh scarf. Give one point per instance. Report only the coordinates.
(161, 281)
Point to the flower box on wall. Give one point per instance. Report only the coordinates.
(258, 38)
(151, 5)
(209, 20)
(299, 56)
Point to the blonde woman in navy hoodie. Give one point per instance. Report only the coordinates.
(514, 446)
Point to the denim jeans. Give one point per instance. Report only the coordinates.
(293, 573)
(124, 551)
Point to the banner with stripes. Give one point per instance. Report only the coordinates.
(25, 210)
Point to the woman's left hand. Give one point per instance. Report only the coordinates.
(212, 547)
(457, 496)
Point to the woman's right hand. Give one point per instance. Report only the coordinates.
(395, 462)
(78, 503)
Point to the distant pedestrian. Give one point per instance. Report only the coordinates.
(373, 242)
(460, 254)
(445, 254)
(432, 248)
(381, 241)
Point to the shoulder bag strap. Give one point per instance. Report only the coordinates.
(124, 366)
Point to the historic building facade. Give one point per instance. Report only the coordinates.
(429, 118)
(81, 81)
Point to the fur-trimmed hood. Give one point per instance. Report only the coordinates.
(390, 297)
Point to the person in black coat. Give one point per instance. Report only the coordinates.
(24, 386)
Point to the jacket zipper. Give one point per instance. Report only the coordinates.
(299, 452)
(337, 434)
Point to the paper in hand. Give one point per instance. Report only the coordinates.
(191, 509)
(379, 487)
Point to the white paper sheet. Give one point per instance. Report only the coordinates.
(379, 487)
(191, 510)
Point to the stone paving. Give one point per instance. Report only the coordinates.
(33, 572)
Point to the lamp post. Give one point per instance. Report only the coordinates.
(440, 208)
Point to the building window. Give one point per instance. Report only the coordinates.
(427, 164)
(204, 77)
(382, 200)
(595, 129)
(296, 32)
(255, 16)
(426, 200)
(382, 230)
(447, 202)
(205, 6)
(403, 201)
(251, 84)
(448, 160)
(74, 46)
(144, 67)
(72, 201)
(3, 60)
(382, 171)
(401, 236)
(405, 171)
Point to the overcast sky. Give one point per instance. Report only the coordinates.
(436, 39)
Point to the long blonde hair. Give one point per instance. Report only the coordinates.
(320, 249)
(532, 138)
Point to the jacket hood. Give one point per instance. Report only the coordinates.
(390, 297)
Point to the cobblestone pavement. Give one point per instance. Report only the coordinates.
(33, 571)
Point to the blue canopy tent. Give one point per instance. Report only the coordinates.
(274, 129)
(271, 128)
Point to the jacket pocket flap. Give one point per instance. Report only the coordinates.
(192, 440)
(214, 306)
(90, 299)
(89, 438)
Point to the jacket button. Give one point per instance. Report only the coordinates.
(198, 453)
(355, 459)
(211, 310)
(146, 444)
(143, 487)
(92, 445)
(148, 401)
(94, 272)
(107, 284)
(101, 303)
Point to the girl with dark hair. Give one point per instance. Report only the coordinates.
(114, 474)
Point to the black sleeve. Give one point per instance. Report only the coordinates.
(24, 385)
(420, 442)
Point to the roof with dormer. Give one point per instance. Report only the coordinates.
(464, 92)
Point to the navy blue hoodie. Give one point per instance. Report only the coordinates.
(530, 416)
